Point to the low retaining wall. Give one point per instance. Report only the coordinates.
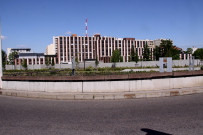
(105, 83)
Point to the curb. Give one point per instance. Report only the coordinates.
(103, 96)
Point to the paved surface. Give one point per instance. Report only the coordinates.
(179, 115)
(103, 96)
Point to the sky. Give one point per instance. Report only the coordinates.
(33, 23)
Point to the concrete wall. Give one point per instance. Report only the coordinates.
(105, 86)
(101, 64)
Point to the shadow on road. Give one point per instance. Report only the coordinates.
(153, 132)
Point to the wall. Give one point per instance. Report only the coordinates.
(105, 86)
(101, 64)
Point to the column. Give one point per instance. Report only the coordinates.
(19, 61)
(124, 55)
(44, 60)
(66, 49)
(15, 62)
(54, 60)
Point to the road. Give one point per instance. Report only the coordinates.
(181, 115)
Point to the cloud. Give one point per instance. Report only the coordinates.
(3, 37)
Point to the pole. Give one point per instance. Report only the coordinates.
(1, 70)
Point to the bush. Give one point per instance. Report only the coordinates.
(201, 67)
(90, 68)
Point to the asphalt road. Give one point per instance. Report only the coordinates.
(181, 115)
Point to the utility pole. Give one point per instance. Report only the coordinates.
(1, 69)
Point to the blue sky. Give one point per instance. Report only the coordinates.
(33, 23)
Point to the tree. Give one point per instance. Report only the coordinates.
(136, 57)
(96, 62)
(146, 53)
(47, 61)
(24, 63)
(189, 50)
(132, 54)
(168, 50)
(198, 54)
(12, 57)
(52, 62)
(3, 58)
(116, 56)
(76, 61)
(157, 53)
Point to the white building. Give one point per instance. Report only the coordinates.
(50, 50)
(18, 50)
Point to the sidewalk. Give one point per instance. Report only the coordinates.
(103, 96)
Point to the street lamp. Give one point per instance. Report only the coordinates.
(1, 69)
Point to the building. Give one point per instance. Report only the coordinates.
(18, 50)
(89, 48)
(96, 47)
(50, 50)
(31, 58)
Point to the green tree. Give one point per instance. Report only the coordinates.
(52, 62)
(116, 56)
(136, 57)
(12, 57)
(146, 53)
(96, 62)
(24, 64)
(47, 61)
(168, 50)
(198, 54)
(132, 54)
(189, 50)
(4, 59)
(121, 59)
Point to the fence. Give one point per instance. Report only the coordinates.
(101, 64)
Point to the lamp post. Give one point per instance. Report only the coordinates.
(1, 69)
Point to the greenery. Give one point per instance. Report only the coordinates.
(12, 57)
(47, 61)
(52, 62)
(166, 49)
(4, 61)
(146, 53)
(96, 62)
(76, 61)
(116, 56)
(136, 57)
(132, 54)
(79, 72)
(169, 50)
(157, 53)
(24, 64)
(189, 50)
(198, 54)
